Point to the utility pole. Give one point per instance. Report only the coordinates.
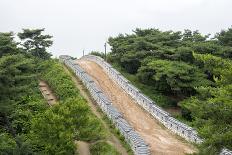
(105, 51)
(83, 52)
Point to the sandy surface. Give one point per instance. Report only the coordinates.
(111, 139)
(83, 148)
(47, 93)
(161, 141)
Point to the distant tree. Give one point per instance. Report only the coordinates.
(225, 37)
(193, 36)
(226, 52)
(172, 76)
(207, 47)
(100, 54)
(35, 42)
(184, 54)
(130, 62)
(7, 44)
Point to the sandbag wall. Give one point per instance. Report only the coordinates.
(137, 144)
(145, 102)
(226, 152)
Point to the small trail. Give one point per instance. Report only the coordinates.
(47, 93)
(160, 139)
(111, 139)
(83, 148)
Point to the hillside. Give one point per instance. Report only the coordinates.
(29, 122)
(47, 108)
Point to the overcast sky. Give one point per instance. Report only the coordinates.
(86, 24)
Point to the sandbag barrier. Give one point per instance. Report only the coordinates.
(226, 152)
(136, 143)
(149, 105)
(146, 103)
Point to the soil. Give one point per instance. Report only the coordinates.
(160, 139)
(83, 147)
(47, 93)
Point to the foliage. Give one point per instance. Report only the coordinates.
(35, 42)
(150, 91)
(15, 74)
(103, 148)
(225, 37)
(171, 76)
(7, 44)
(58, 80)
(212, 116)
(27, 125)
(100, 54)
(7, 144)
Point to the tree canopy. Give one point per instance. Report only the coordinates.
(35, 43)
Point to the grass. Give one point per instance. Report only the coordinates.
(103, 148)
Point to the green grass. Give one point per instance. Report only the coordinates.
(103, 148)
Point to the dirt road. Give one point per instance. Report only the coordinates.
(162, 141)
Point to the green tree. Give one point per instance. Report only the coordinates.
(35, 42)
(211, 112)
(184, 54)
(193, 36)
(173, 77)
(7, 44)
(16, 73)
(225, 37)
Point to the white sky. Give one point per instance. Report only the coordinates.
(86, 24)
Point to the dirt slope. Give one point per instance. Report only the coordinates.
(47, 93)
(162, 141)
(83, 148)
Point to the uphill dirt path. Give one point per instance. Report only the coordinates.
(47, 93)
(161, 141)
(111, 139)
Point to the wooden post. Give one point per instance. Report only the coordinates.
(105, 52)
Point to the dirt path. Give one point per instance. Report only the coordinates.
(47, 93)
(112, 139)
(162, 141)
(83, 148)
